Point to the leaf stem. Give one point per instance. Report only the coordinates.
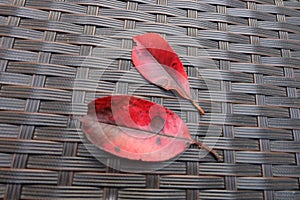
(214, 152)
(198, 107)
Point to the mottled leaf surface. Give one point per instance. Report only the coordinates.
(134, 128)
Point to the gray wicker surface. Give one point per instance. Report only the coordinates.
(242, 59)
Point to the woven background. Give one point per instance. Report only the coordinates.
(56, 56)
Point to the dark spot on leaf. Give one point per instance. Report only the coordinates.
(174, 65)
(157, 124)
(158, 141)
(117, 149)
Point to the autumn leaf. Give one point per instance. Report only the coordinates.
(136, 129)
(155, 59)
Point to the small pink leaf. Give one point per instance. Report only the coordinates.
(155, 59)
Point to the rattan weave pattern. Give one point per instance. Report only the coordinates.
(242, 59)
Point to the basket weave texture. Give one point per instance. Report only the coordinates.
(242, 60)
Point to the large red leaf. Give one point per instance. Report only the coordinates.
(155, 59)
(136, 129)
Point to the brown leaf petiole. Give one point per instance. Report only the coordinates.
(198, 107)
(214, 152)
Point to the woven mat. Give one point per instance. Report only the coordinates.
(242, 59)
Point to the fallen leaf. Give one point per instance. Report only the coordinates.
(155, 59)
(136, 129)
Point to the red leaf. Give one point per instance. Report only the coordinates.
(155, 59)
(136, 129)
